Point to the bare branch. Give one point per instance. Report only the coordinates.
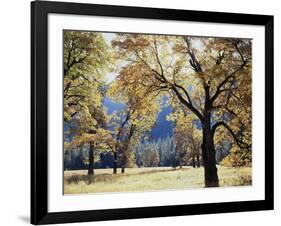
(157, 57)
(185, 92)
(195, 64)
(187, 104)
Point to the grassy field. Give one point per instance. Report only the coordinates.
(149, 179)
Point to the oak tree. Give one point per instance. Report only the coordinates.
(211, 77)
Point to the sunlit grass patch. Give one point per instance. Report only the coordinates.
(149, 179)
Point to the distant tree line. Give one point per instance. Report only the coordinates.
(77, 159)
(156, 153)
(161, 152)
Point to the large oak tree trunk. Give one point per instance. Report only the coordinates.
(91, 160)
(180, 162)
(197, 160)
(123, 163)
(193, 160)
(115, 162)
(123, 167)
(209, 154)
(125, 149)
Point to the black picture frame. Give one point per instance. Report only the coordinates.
(39, 112)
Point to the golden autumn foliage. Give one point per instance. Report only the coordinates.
(206, 81)
(237, 158)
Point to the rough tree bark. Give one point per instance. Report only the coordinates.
(208, 147)
(123, 162)
(123, 167)
(91, 160)
(115, 153)
(180, 162)
(193, 160)
(125, 148)
(115, 162)
(197, 159)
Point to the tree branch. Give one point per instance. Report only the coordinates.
(157, 57)
(195, 64)
(185, 92)
(232, 75)
(187, 104)
(239, 142)
(219, 90)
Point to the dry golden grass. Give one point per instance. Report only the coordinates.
(149, 179)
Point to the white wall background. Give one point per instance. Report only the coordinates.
(15, 113)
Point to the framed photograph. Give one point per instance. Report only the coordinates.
(145, 112)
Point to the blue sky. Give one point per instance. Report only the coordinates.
(108, 38)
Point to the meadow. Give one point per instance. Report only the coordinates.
(150, 179)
